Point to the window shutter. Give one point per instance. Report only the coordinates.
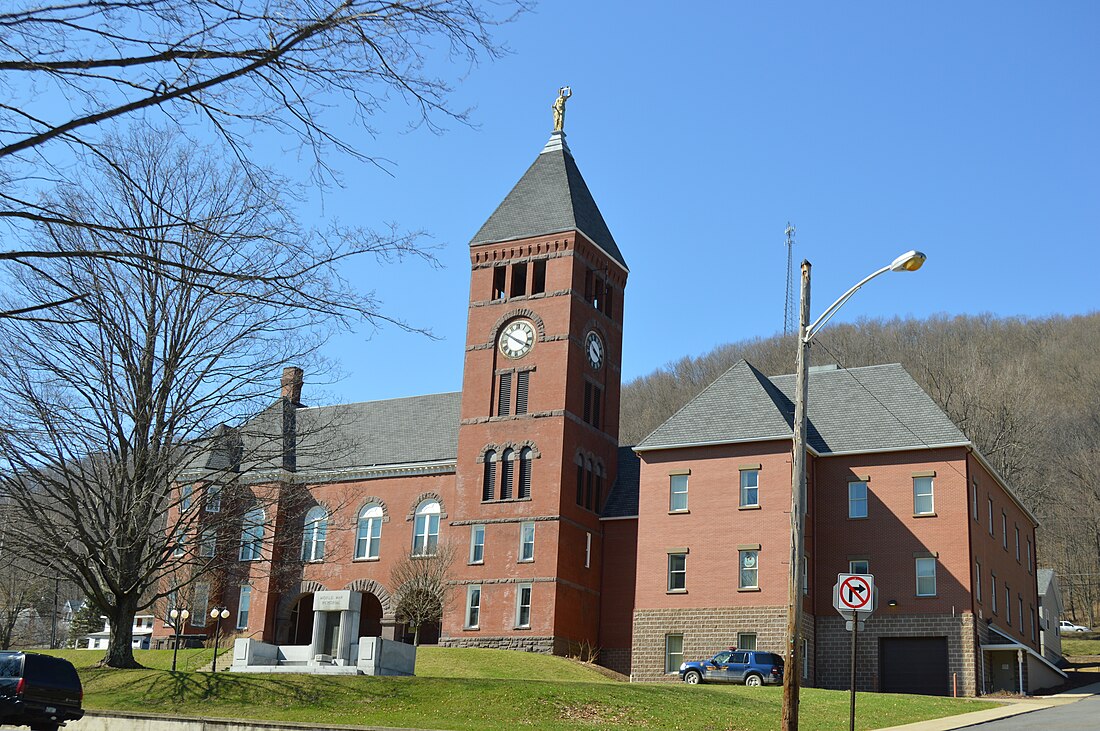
(525, 473)
(597, 396)
(587, 403)
(504, 395)
(490, 476)
(599, 492)
(521, 391)
(506, 475)
(588, 486)
(580, 484)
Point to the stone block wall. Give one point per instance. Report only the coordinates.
(705, 631)
(525, 643)
(615, 659)
(833, 666)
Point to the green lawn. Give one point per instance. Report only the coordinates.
(1080, 644)
(481, 689)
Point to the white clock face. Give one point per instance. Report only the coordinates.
(593, 348)
(517, 339)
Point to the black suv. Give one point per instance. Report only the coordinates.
(39, 691)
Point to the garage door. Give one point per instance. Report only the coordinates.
(913, 665)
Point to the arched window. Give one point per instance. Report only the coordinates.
(588, 483)
(252, 534)
(313, 534)
(506, 468)
(426, 528)
(369, 531)
(525, 472)
(489, 486)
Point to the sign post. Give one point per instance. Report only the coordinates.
(854, 596)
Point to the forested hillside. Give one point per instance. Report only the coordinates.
(1027, 392)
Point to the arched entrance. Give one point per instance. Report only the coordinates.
(301, 621)
(370, 616)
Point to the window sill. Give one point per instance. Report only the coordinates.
(471, 629)
(857, 517)
(749, 507)
(927, 596)
(475, 563)
(677, 591)
(749, 588)
(685, 511)
(526, 560)
(924, 515)
(519, 627)
(365, 559)
(507, 500)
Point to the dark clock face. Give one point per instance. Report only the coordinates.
(517, 339)
(593, 348)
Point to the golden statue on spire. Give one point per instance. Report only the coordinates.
(559, 108)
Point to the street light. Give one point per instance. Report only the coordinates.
(217, 614)
(179, 618)
(910, 261)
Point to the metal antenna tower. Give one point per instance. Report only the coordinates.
(789, 304)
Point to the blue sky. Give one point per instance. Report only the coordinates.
(966, 130)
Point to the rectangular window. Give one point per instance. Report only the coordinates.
(974, 500)
(857, 499)
(597, 401)
(1029, 555)
(674, 653)
(978, 581)
(200, 603)
(607, 299)
(504, 394)
(990, 516)
(208, 545)
(805, 659)
(519, 279)
(213, 499)
(677, 572)
(677, 493)
(859, 566)
(1008, 605)
(1017, 542)
(527, 542)
(243, 605)
(523, 379)
(805, 577)
(523, 605)
(477, 544)
(580, 484)
(587, 402)
(1020, 613)
(1004, 530)
(923, 504)
(185, 498)
(926, 577)
(538, 276)
(993, 590)
(473, 606)
(749, 576)
(587, 550)
(750, 488)
(499, 273)
(746, 640)
(1031, 609)
(178, 550)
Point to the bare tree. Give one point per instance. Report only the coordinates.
(421, 586)
(296, 69)
(124, 389)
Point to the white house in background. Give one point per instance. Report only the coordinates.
(1050, 614)
(140, 633)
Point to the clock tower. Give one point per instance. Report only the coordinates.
(539, 426)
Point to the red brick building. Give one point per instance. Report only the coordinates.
(672, 549)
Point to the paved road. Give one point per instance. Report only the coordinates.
(1080, 716)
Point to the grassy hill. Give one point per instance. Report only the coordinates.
(479, 690)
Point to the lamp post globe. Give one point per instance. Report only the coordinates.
(217, 614)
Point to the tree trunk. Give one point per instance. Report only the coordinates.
(416, 636)
(120, 649)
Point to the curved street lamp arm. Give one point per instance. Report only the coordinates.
(827, 314)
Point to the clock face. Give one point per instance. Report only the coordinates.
(517, 339)
(593, 348)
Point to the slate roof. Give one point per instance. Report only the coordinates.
(622, 501)
(875, 408)
(550, 197)
(1043, 578)
(372, 433)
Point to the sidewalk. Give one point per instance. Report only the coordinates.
(1013, 707)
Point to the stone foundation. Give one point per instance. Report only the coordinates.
(615, 659)
(706, 631)
(834, 648)
(526, 643)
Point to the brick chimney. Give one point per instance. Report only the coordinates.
(292, 385)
